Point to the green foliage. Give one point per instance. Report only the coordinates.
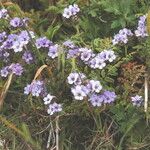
(123, 11)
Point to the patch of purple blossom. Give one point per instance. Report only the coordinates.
(122, 36)
(141, 29)
(69, 44)
(27, 57)
(5, 71)
(72, 53)
(96, 100)
(53, 51)
(18, 22)
(17, 41)
(36, 88)
(79, 92)
(85, 54)
(106, 97)
(109, 97)
(16, 69)
(54, 108)
(94, 86)
(70, 11)
(24, 37)
(107, 55)
(75, 78)
(137, 100)
(97, 63)
(43, 42)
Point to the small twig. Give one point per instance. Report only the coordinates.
(146, 93)
(51, 136)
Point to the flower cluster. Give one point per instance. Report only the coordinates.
(36, 88)
(43, 42)
(15, 42)
(18, 22)
(71, 10)
(141, 29)
(106, 97)
(16, 69)
(95, 61)
(137, 100)
(52, 107)
(122, 36)
(82, 88)
(89, 89)
(99, 61)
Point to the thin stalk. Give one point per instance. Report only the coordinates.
(146, 93)
(57, 133)
(51, 136)
(126, 51)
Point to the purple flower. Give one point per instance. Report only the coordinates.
(96, 100)
(79, 92)
(9, 41)
(4, 13)
(75, 78)
(94, 86)
(137, 100)
(24, 38)
(72, 78)
(14, 42)
(53, 51)
(43, 42)
(67, 13)
(69, 44)
(17, 69)
(86, 54)
(16, 22)
(73, 53)
(71, 10)
(27, 57)
(47, 100)
(97, 63)
(4, 71)
(17, 46)
(35, 88)
(141, 29)
(122, 36)
(107, 55)
(109, 97)
(54, 108)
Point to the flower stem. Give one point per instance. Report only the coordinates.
(126, 51)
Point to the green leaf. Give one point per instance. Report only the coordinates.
(51, 31)
(115, 24)
(109, 80)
